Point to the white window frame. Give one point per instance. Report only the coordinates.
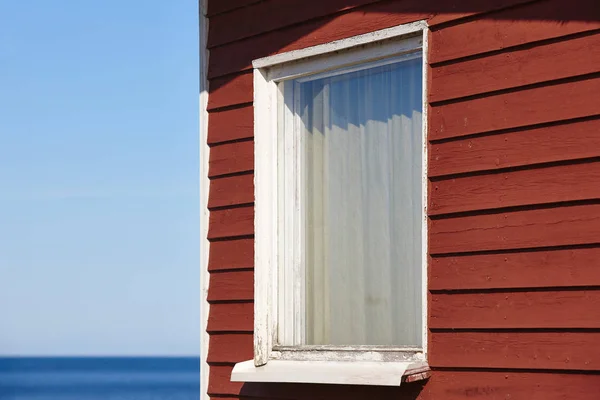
(373, 365)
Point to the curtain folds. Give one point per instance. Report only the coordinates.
(362, 140)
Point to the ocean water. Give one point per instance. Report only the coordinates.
(115, 378)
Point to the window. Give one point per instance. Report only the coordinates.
(340, 220)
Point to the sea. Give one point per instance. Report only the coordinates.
(99, 378)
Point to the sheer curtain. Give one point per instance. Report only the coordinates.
(363, 149)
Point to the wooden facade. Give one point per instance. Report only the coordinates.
(514, 190)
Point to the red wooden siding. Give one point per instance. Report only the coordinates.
(231, 317)
(231, 254)
(462, 385)
(231, 190)
(518, 350)
(530, 269)
(563, 142)
(231, 158)
(556, 60)
(523, 229)
(516, 109)
(514, 191)
(518, 188)
(522, 310)
(227, 223)
(231, 285)
(511, 27)
(231, 124)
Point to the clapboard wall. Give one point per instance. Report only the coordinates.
(514, 190)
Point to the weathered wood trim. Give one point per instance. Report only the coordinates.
(328, 372)
(268, 324)
(204, 191)
(342, 44)
(266, 217)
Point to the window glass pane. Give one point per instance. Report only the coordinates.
(362, 142)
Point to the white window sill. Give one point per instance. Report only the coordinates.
(332, 372)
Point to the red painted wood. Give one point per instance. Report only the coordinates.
(274, 14)
(517, 68)
(516, 188)
(231, 222)
(231, 158)
(231, 190)
(478, 385)
(231, 317)
(219, 381)
(454, 11)
(231, 124)
(221, 6)
(516, 109)
(231, 254)
(516, 230)
(238, 56)
(552, 268)
(563, 142)
(295, 391)
(230, 348)
(513, 27)
(230, 90)
(231, 285)
(526, 350)
(553, 309)
(447, 385)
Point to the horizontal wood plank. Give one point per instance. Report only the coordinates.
(299, 391)
(231, 190)
(274, 14)
(231, 285)
(520, 67)
(532, 269)
(231, 317)
(480, 385)
(232, 222)
(453, 11)
(516, 188)
(546, 309)
(231, 254)
(522, 350)
(238, 56)
(231, 124)
(219, 381)
(513, 27)
(573, 225)
(564, 142)
(230, 90)
(231, 158)
(230, 348)
(515, 109)
(221, 6)
(446, 385)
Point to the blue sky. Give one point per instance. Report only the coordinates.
(99, 205)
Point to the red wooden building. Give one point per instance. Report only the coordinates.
(401, 199)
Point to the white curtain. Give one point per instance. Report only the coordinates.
(363, 149)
